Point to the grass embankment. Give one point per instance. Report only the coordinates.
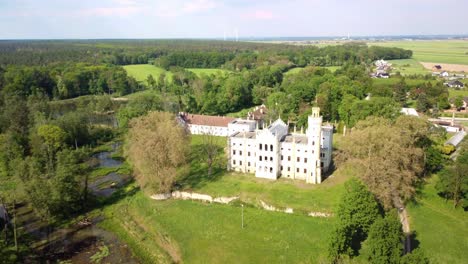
(441, 229)
(210, 233)
(446, 51)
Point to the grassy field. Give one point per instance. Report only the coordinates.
(141, 71)
(441, 51)
(455, 93)
(194, 232)
(441, 229)
(408, 67)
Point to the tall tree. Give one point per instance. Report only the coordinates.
(157, 147)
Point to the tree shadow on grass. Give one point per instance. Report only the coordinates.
(198, 175)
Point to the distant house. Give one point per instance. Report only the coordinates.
(383, 75)
(436, 68)
(204, 124)
(444, 74)
(454, 84)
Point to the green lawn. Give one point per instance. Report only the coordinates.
(299, 69)
(441, 229)
(210, 233)
(441, 51)
(408, 67)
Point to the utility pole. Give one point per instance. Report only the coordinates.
(242, 216)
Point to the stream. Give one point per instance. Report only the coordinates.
(79, 242)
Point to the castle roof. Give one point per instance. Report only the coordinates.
(299, 139)
(206, 120)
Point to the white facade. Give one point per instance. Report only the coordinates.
(273, 152)
(221, 131)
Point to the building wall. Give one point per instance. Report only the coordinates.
(208, 130)
(242, 154)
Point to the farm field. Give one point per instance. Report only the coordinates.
(441, 229)
(455, 93)
(438, 51)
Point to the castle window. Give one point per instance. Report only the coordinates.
(305, 171)
(240, 162)
(321, 164)
(248, 163)
(240, 152)
(289, 158)
(248, 153)
(271, 147)
(266, 158)
(313, 143)
(234, 162)
(289, 168)
(281, 168)
(298, 159)
(271, 158)
(305, 160)
(271, 169)
(281, 157)
(266, 147)
(297, 169)
(260, 158)
(234, 152)
(260, 146)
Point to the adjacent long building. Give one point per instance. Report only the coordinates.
(273, 152)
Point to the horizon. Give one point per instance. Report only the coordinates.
(210, 19)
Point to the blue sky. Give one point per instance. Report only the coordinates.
(211, 18)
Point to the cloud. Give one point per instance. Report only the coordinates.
(260, 15)
(197, 6)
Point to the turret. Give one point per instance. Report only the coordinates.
(314, 135)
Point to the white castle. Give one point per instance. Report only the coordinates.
(273, 152)
(270, 152)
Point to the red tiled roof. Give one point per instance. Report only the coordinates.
(206, 120)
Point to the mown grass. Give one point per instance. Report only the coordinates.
(212, 233)
(441, 229)
(441, 51)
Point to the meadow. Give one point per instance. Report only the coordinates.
(141, 71)
(441, 51)
(441, 229)
(194, 232)
(408, 67)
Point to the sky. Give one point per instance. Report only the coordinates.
(87, 19)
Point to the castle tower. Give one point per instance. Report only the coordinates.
(314, 134)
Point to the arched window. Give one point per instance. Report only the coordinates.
(271, 147)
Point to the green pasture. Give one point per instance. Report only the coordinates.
(408, 67)
(441, 229)
(455, 93)
(441, 51)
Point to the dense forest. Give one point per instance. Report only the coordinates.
(46, 149)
